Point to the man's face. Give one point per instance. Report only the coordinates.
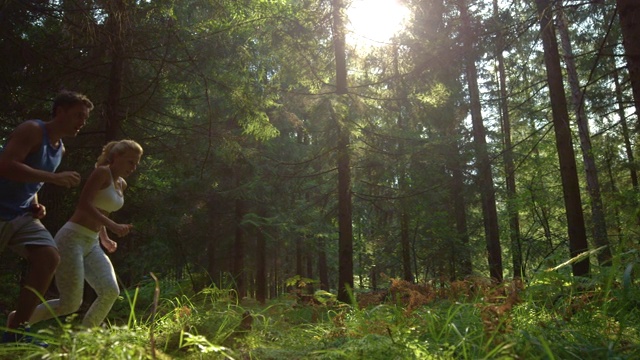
(74, 118)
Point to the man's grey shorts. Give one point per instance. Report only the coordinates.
(24, 230)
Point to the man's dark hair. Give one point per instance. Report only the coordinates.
(69, 98)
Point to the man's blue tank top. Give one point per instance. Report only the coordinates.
(16, 197)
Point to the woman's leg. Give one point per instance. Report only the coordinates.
(100, 275)
(69, 278)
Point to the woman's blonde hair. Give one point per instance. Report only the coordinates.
(117, 148)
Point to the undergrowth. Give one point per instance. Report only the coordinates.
(552, 316)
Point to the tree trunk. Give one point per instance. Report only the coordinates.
(117, 32)
(406, 246)
(568, 172)
(299, 239)
(261, 266)
(629, 12)
(345, 246)
(339, 44)
(626, 136)
(460, 213)
(599, 231)
(487, 192)
(323, 268)
(212, 265)
(238, 251)
(401, 173)
(276, 270)
(624, 124)
(614, 189)
(345, 242)
(309, 272)
(219, 247)
(509, 168)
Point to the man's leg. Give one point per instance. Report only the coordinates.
(42, 264)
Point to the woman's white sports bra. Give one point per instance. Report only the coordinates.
(108, 199)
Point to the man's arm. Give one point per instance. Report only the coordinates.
(25, 139)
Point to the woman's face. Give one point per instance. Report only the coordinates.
(126, 163)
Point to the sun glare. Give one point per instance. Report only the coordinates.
(374, 22)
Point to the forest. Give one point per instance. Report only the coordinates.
(466, 188)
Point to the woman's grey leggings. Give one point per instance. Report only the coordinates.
(80, 258)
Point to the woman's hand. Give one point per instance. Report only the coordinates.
(109, 245)
(120, 229)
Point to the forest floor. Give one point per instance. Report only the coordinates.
(551, 317)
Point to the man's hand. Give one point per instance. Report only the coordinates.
(66, 179)
(38, 211)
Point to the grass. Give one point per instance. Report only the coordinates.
(554, 316)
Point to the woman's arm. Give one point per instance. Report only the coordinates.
(110, 245)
